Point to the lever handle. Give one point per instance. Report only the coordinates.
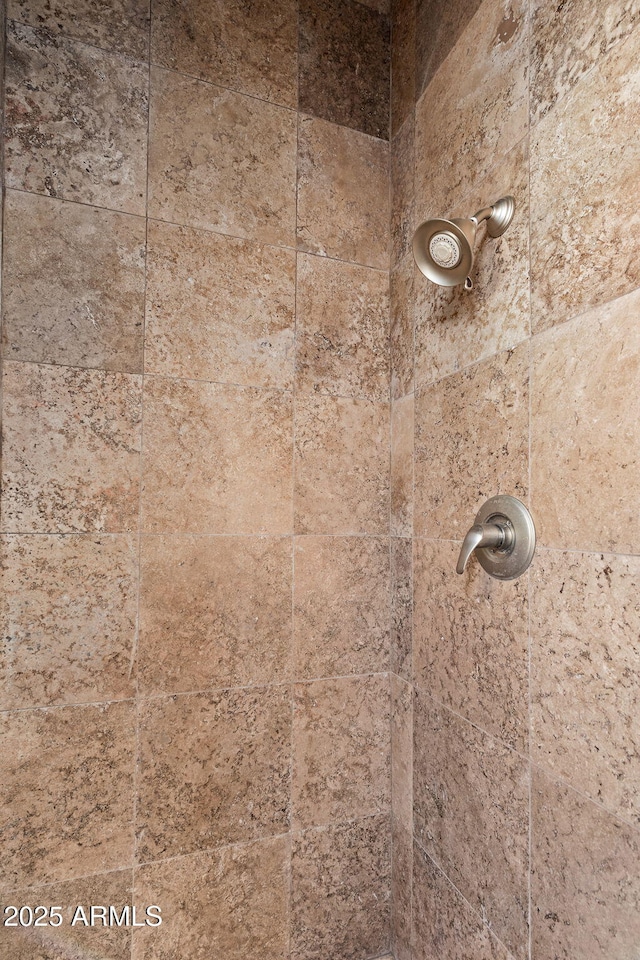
(483, 535)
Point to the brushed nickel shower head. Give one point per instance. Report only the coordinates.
(443, 249)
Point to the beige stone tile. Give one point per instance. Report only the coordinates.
(341, 466)
(340, 891)
(230, 903)
(67, 792)
(220, 160)
(343, 193)
(120, 25)
(585, 882)
(78, 942)
(472, 441)
(224, 603)
(249, 48)
(444, 923)
(341, 767)
(341, 606)
(455, 327)
(439, 24)
(401, 891)
(474, 110)
(402, 429)
(402, 753)
(68, 619)
(584, 222)
(219, 308)
(585, 411)
(403, 61)
(75, 121)
(401, 607)
(585, 651)
(342, 329)
(402, 288)
(214, 770)
(471, 643)
(217, 458)
(402, 191)
(73, 284)
(71, 450)
(471, 807)
(566, 47)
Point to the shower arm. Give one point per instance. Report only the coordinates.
(483, 214)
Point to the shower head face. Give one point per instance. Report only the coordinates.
(443, 250)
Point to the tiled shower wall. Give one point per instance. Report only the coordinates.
(194, 686)
(516, 705)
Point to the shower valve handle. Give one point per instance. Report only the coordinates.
(504, 536)
(496, 535)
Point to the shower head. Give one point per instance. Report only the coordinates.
(443, 249)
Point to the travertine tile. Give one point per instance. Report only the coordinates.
(231, 903)
(247, 47)
(68, 619)
(219, 308)
(444, 923)
(474, 110)
(566, 46)
(401, 891)
(67, 792)
(403, 61)
(585, 411)
(71, 449)
(584, 223)
(438, 27)
(214, 770)
(220, 160)
(75, 122)
(586, 890)
(471, 808)
(455, 327)
(223, 602)
(78, 942)
(120, 25)
(217, 459)
(402, 428)
(73, 284)
(344, 64)
(341, 766)
(402, 753)
(340, 891)
(341, 606)
(472, 441)
(343, 194)
(341, 466)
(401, 607)
(402, 283)
(471, 642)
(342, 329)
(402, 191)
(585, 652)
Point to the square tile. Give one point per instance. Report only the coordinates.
(250, 48)
(341, 466)
(402, 431)
(214, 769)
(75, 121)
(67, 792)
(224, 603)
(343, 194)
(68, 620)
(217, 458)
(342, 329)
(71, 450)
(73, 284)
(221, 161)
(341, 744)
(120, 25)
(341, 606)
(344, 64)
(219, 308)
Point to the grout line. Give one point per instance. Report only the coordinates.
(529, 498)
(61, 35)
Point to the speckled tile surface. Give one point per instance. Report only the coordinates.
(119, 25)
(402, 438)
(403, 62)
(402, 191)
(439, 23)
(401, 607)
(402, 290)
